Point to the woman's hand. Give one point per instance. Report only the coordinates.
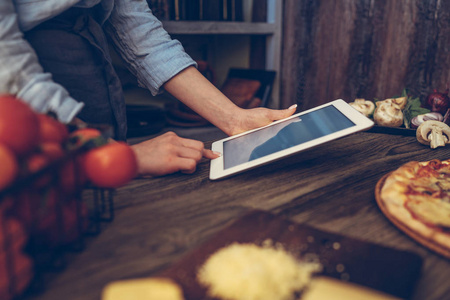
(193, 89)
(169, 153)
(247, 119)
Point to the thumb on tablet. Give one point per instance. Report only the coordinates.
(284, 113)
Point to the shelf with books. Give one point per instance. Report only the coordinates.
(198, 10)
(257, 36)
(247, 36)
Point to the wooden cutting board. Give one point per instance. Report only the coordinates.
(387, 270)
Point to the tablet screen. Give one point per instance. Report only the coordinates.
(284, 135)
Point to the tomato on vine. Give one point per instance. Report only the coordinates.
(111, 165)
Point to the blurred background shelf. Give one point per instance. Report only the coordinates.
(213, 27)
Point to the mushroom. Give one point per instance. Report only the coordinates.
(388, 114)
(400, 101)
(365, 107)
(433, 133)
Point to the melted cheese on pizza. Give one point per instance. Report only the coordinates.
(416, 198)
(428, 194)
(431, 211)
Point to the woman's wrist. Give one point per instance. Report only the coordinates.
(235, 126)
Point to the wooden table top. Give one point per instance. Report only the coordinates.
(331, 188)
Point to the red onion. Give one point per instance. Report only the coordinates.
(438, 102)
(446, 119)
(417, 120)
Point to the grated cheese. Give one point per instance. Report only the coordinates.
(251, 272)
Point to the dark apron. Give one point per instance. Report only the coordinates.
(74, 49)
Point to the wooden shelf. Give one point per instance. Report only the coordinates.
(211, 27)
(268, 27)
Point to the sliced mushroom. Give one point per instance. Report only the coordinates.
(365, 107)
(388, 114)
(433, 133)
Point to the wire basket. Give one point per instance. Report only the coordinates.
(43, 218)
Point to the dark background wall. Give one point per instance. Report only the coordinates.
(363, 49)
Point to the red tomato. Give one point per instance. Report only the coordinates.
(15, 233)
(36, 162)
(51, 130)
(86, 133)
(71, 176)
(24, 208)
(9, 167)
(83, 135)
(110, 166)
(19, 125)
(37, 211)
(58, 220)
(52, 150)
(46, 223)
(74, 219)
(23, 274)
(6, 204)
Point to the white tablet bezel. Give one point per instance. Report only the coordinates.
(361, 122)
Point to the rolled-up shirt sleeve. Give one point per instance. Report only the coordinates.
(23, 76)
(151, 54)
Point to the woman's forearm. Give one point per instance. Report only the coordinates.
(197, 92)
(194, 90)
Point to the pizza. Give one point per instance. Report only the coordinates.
(416, 198)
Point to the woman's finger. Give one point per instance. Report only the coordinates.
(186, 165)
(211, 154)
(193, 144)
(190, 153)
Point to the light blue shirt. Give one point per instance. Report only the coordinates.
(138, 36)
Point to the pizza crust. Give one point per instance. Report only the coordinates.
(390, 194)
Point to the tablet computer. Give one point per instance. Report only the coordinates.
(285, 137)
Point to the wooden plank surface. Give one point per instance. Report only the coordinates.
(363, 49)
(331, 188)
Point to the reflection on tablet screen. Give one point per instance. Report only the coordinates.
(284, 135)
